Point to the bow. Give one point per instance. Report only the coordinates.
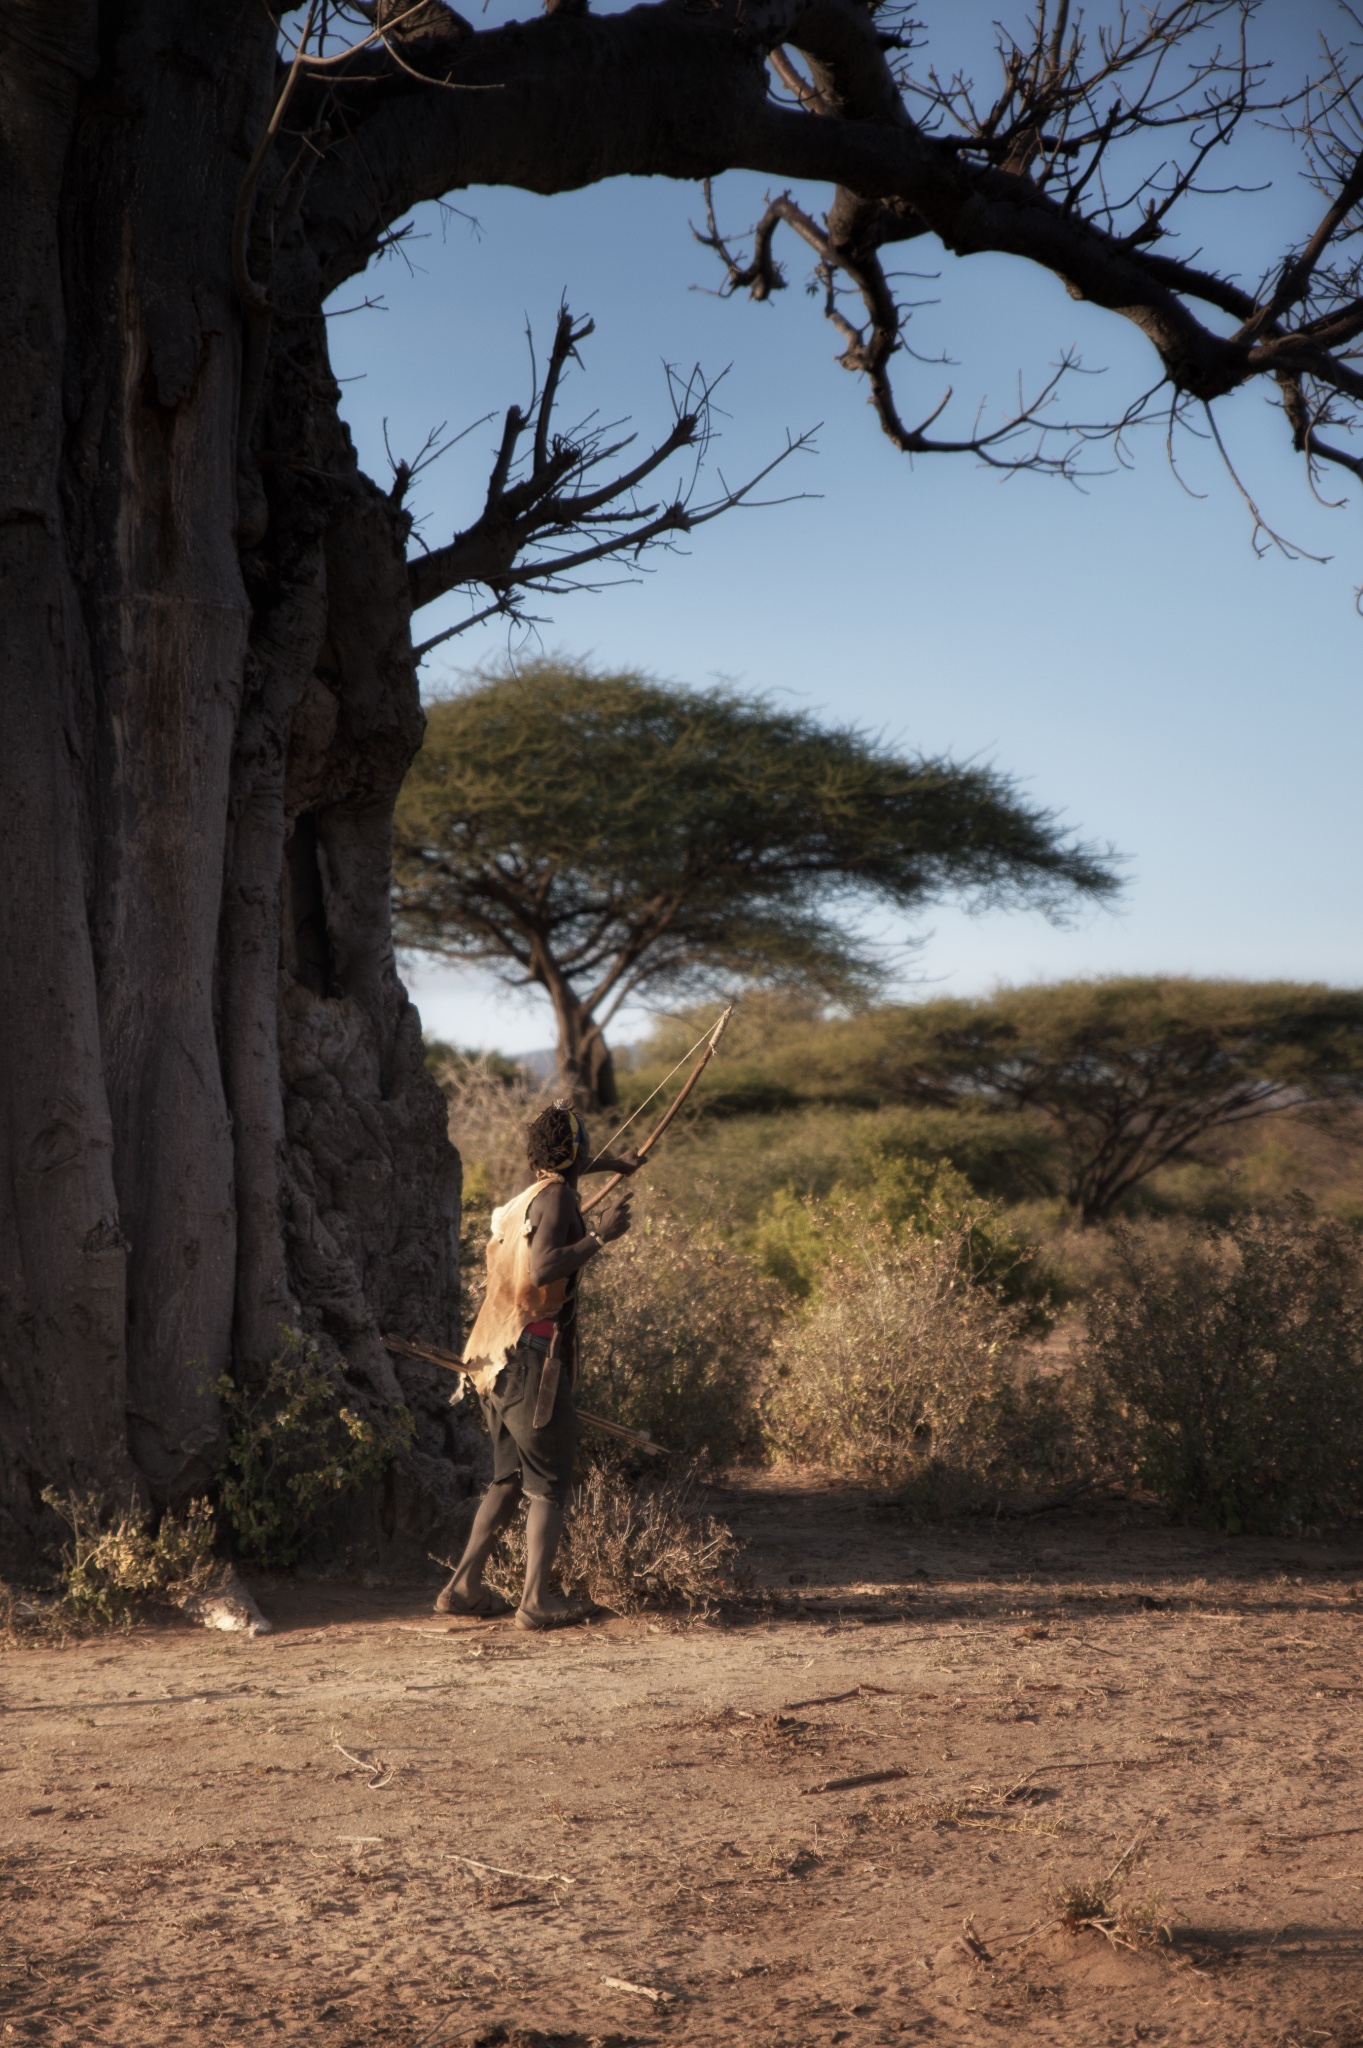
(711, 1043)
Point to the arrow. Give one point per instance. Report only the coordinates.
(431, 1354)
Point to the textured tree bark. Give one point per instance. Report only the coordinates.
(151, 373)
(214, 1112)
(62, 1254)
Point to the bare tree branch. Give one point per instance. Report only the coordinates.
(554, 505)
(1079, 158)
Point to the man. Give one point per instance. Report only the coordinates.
(520, 1357)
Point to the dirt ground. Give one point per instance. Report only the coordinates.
(377, 1826)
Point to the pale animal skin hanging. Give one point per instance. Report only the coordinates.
(512, 1299)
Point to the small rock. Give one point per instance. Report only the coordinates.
(229, 1606)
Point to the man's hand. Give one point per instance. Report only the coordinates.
(618, 1162)
(615, 1219)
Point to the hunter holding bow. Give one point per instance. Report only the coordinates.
(520, 1358)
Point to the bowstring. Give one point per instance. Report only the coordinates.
(617, 1135)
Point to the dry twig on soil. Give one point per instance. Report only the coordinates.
(521, 1876)
(381, 1775)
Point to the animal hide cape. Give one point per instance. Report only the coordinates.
(512, 1300)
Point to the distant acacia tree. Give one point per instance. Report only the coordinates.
(1131, 1072)
(602, 835)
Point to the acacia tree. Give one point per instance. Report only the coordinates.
(601, 835)
(1131, 1072)
(215, 1116)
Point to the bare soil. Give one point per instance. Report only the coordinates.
(210, 1840)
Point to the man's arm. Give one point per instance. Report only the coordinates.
(557, 1248)
(626, 1163)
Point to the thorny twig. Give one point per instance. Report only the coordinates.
(868, 348)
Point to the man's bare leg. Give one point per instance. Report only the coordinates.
(466, 1593)
(540, 1606)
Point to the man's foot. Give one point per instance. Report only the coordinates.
(483, 1602)
(551, 1612)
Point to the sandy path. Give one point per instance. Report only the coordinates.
(188, 1857)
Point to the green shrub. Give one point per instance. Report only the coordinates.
(1238, 1358)
(117, 1561)
(294, 1444)
(725, 1172)
(675, 1327)
(1005, 1157)
(795, 1239)
(902, 1370)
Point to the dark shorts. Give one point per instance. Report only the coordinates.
(542, 1459)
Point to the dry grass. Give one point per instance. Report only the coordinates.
(632, 1546)
(1238, 1357)
(675, 1329)
(29, 1619)
(1101, 1906)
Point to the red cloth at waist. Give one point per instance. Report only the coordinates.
(543, 1329)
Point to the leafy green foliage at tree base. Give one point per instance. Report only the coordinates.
(294, 1445)
(1238, 1358)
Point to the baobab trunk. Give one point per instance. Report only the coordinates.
(214, 1114)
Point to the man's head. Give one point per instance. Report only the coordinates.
(556, 1140)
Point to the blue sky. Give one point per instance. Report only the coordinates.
(1119, 650)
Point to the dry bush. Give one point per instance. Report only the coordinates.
(1102, 1906)
(1237, 1356)
(904, 1370)
(489, 1109)
(796, 1237)
(29, 1619)
(631, 1545)
(116, 1563)
(675, 1328)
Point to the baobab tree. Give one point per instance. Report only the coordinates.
(215, 1115)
